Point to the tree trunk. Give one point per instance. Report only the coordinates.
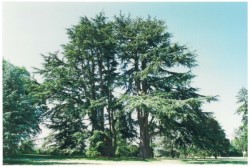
(112, 130)
(215, 155)
(244, 153)
(145, 151)
(185, 151)
(93, 116)
(102, 91)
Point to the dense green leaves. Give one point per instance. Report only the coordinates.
(242, 98)
(156, 75)
(22, 109)
(80, 84)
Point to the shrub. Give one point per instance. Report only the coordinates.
(126, 150)
(92, 153)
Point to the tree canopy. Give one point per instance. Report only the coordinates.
(132, 55)
(22, 109)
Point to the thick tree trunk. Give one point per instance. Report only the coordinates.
(145, 151)
(141, 87)
(112, 130)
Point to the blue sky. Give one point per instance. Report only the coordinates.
(217, 31)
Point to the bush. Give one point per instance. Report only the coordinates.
(27, 147)
(98, 144)
(126, 150)
(133, 150)
(92, 153)
(233, 152)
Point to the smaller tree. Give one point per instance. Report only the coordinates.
(22, 109)
(240, 140)
(241, 134)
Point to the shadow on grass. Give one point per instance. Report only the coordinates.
(215, 161)
(34, 159)
(27, 162)
(37, 157)
(122, 159)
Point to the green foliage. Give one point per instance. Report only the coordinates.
(152, 74)
(96, 144)
(216, 139)
(71, 145)
(242, 98)
(80, 84)
(124, 149)
(52, 150)
(241, 134)
(125, 126)
(233, 151)
(27, 147)
(189, 138)
(22, 110)
(92, 153)
(241, 139)
(133, 150)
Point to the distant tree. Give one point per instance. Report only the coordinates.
(22, 109)
(241, 134)
(241, 140)
(242, 98)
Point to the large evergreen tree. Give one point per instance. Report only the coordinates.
(132, 55)
(85, 79)
(155, 87)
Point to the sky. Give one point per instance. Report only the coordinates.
(216, 31)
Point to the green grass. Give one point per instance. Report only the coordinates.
(216, 161)
(33, 159)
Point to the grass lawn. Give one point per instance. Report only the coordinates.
(222, 160)
(32, 159)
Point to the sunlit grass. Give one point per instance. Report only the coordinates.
(216, 161)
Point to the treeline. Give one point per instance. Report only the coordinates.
(117, 87)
